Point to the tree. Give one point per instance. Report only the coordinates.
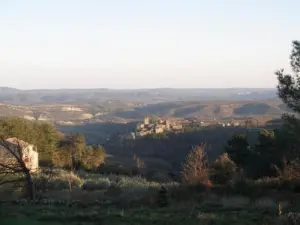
(93, 157)
(266, 155)
(250, 123)
(287, 137)
(223, 169)
(289, 171)
(47, 139)
(66, 155)
(289, 91)
(36, 114)
(74, 146)
(289, 85)
(239, 150)
(195, 169)
(62, 157)
(13, 168)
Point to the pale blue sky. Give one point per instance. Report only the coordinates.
(145, 43)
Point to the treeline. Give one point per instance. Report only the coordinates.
(275, 153)
(54, 148)
(174, 147)
(272, 150)
(271, 162)
(257, 153)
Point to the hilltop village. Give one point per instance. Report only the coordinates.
(159, 125)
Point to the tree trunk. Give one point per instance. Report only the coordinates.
(30, 188)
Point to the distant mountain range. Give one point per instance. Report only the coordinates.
(82, 96)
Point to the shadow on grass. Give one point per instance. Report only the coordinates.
(23, 221)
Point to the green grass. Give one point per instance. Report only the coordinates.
(175, 215)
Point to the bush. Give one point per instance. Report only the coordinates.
(115, 169)
(223, 169)
(93, 157)
(135, 182)
(289, 219)
(158, 176)
(243, 187)
(290, 171)
(92, 185)
(56, 179)
(163, 198)
(278, 183)
(117, 187)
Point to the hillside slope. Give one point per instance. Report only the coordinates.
(211, 109)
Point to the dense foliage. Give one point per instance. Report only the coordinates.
(273, 147)
(222, 170)
(53, 147)
(170, 149)
(43, 135)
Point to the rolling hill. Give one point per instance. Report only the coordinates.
(111, 105)
(129, 112)
(219, 109)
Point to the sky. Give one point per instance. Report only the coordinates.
(145, 43)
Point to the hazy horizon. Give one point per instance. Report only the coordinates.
(145, 44)
(128, 89)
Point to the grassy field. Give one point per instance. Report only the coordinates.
(177, 214)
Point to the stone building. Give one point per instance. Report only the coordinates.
(147, 120)
(29, 152)
(159, 130)
(71, 109)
